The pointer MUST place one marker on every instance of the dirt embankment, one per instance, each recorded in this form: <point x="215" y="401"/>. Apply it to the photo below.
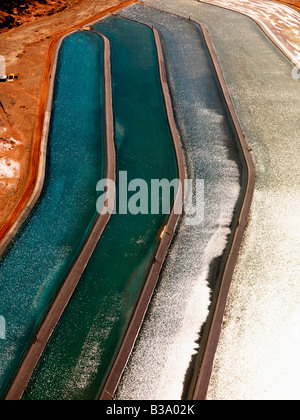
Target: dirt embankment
<point x="14" y="13"/>
<point x="293" y="3"/>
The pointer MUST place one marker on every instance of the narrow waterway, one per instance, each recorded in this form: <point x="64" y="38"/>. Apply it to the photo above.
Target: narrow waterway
<point x="84" y="345"/>
<point x="170" y="334"/>
<point x="47" y="245"/>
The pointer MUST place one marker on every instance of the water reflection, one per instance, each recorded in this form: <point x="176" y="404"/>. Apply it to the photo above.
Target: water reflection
<point x="180" y="307"/>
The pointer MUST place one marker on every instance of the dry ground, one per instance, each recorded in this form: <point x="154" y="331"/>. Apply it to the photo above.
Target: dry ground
<point x="14" y="13"/>
<point x="293" y="3"/>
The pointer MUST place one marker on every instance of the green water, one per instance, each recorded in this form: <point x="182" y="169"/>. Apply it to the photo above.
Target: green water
<point x="82" y="349"/>
<point x="47" y="245"/>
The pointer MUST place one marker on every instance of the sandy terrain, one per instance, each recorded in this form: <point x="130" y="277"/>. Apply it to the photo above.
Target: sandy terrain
<point x="281" y="23"/>
<point x="293" y="3"/>
<point x="22" y="102"/>
<point x="14" y="13"/>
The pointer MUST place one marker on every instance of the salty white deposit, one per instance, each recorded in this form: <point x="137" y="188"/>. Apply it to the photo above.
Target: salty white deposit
<point x="9" y="168"/>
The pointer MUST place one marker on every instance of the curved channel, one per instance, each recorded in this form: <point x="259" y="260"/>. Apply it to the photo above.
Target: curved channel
<point x="86" y="341"/>
<point x="48" y="244"/>
<point x="183" y="300"/>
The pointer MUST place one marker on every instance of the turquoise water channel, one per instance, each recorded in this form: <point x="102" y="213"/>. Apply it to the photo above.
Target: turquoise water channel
<point x="84" y="345"/>
<point x="47" y="245"/>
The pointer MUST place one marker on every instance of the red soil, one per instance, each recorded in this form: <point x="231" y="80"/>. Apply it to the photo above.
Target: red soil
<point x="293" y="3"/>
<point x="14" y="13"/>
